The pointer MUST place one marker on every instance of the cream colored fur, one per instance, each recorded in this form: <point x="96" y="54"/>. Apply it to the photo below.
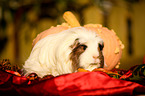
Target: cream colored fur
<point x="51" y="55"/>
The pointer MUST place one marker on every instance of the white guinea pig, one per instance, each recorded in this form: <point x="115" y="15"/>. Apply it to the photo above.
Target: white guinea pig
<point x="65" y="52"/>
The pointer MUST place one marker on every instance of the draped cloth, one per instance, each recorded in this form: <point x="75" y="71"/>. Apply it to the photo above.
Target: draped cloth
<point x="74" y="84"/>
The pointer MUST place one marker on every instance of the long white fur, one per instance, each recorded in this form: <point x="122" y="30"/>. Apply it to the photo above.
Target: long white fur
<point x="51" y="55"/>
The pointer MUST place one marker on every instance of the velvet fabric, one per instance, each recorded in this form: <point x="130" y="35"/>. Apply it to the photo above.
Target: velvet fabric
<point x="74" y="84"/>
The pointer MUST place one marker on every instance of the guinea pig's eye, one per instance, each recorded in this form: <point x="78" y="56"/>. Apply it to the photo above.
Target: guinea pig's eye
<point x="84" y="47"/>
<point x="101" y="46"/>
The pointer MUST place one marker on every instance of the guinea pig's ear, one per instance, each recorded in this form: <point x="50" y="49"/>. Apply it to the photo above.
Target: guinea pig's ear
<point x="101" y="46"/>
<point x="76" y="43"/>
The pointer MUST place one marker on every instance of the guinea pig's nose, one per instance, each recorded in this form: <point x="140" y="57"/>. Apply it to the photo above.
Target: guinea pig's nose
<point x="95" y="57"/>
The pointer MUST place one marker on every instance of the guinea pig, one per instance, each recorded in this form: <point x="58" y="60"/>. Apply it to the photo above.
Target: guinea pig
<point x="65" y="52"/>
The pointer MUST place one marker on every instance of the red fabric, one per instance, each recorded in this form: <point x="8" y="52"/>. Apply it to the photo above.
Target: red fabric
<point x="80" y="83"/>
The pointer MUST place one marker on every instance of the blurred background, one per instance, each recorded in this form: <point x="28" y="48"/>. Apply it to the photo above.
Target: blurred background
<point x="22" y="20"/>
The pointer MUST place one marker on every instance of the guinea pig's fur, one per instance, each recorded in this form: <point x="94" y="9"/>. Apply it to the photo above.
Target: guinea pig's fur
<point x="65" y="52"/>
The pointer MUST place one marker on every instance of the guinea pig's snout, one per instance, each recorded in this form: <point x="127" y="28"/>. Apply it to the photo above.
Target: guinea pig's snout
<point x="95" y="57"/>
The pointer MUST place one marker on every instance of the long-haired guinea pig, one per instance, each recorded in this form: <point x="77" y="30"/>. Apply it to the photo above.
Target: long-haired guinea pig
<point x="65" y="52"/>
